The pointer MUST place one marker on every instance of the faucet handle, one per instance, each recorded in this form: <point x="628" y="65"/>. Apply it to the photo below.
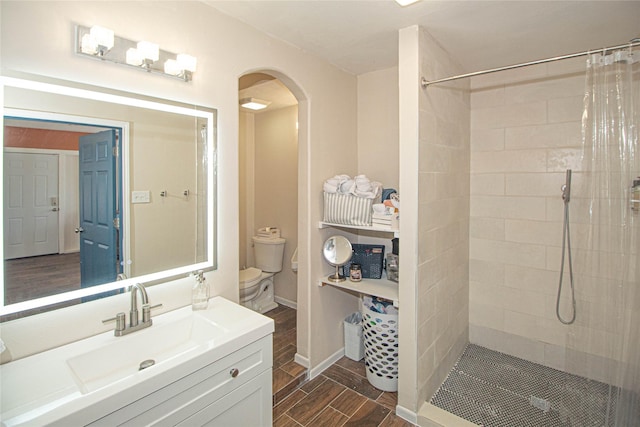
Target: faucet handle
<point x="121" y="322"/>
<point x="146" y="312"/>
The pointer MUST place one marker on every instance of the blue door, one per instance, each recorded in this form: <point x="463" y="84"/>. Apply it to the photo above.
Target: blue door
<point x="98" y="208"/>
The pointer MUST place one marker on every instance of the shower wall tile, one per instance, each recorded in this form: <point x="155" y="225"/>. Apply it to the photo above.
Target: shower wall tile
<point x="487" y="140"/>
<point x="485" y="272"/>
<point x="510" y="253"/>
<point x="564" y="110"/>
<point x="509" y="161"/>
<point x="536" y="232"/>
<point x="486" y="315"/>
<point x="488" y="184"/>
<point x="562" y="159"/>
<point x="532" y="113"/>
<point x="508" y="207"/>
<point x="554" y="135"/>
<point x="491" y="97"/>
<point x="444" y="189"/>
<point x="544" y="90"/>
<point x="525" y="132"/>
<point x="499" y="277"/>
<point x="534" y="279"/>
<point x="522" y="324"/>
<point x="487" y="228"/>
<point x="531" y="184"/>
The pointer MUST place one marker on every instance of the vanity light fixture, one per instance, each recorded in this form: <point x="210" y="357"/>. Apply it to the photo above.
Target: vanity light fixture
<point x="254" y="103"/>
<point x="101" y="43"/>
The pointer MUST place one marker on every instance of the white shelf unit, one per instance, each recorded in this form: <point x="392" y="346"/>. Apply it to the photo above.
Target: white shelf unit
<point x="383" y="287"/>
<point x="395" y="231"/>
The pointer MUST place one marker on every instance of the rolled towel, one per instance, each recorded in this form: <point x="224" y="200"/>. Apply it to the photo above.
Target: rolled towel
<point x="376" y="188"/>
<point x="329" y="187"/>
<point x="347" y="186"/>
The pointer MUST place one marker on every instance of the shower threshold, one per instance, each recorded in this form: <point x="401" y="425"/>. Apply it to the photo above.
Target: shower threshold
<point x="494" y="389"/>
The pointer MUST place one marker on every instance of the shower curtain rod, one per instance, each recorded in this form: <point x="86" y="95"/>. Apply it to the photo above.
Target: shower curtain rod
<point x="424" y="83"/>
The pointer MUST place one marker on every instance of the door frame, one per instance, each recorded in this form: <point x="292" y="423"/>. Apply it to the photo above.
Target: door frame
<point x="123" y="163"/>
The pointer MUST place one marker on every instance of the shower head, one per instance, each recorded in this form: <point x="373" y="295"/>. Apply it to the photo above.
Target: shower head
<point x="566" y="188"/>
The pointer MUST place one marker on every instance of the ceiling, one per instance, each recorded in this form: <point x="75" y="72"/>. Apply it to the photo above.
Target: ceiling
<point x="362" y="36"/>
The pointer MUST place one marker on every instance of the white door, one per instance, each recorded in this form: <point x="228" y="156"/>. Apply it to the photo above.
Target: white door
<point x="30" y="204"/>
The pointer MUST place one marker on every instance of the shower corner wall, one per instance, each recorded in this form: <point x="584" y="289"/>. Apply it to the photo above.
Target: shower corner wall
<point x="443" y="212"/>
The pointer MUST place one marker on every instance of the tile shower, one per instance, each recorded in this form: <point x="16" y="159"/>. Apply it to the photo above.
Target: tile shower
<point x="525" y="132"/>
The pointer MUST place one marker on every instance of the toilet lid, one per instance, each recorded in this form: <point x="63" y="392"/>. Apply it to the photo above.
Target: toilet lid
<point x="249" y="276"/>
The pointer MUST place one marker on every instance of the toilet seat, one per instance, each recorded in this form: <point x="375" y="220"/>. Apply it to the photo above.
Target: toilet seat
<point x="250" y="277"/>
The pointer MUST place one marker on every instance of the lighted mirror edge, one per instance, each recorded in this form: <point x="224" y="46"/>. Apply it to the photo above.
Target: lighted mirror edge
<point x="211" y="157"/>
<point x="93" y="290"/>
<point x="101" y="96"/>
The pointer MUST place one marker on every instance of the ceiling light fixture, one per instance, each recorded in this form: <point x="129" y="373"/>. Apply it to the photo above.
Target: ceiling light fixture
<point x="101" y="43"/>
<point x="254" y="103"/>
<point x="406" y="2"/>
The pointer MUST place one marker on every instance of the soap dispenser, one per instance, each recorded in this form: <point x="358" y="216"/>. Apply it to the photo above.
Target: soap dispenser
<point x="200" y="292"/>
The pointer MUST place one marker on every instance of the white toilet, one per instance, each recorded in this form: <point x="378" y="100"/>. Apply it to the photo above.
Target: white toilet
<point x="256" y="283"/>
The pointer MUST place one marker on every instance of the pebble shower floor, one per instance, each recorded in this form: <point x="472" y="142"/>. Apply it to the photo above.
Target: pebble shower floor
<point x="497" y="390"/>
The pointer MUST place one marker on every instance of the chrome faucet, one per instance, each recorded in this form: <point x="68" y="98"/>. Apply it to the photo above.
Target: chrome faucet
<point x="133" y="313"/>
<point x="134" y="320"/>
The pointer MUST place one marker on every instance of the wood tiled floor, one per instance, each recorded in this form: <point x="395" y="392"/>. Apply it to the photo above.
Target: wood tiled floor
<point x="340" y="396"/>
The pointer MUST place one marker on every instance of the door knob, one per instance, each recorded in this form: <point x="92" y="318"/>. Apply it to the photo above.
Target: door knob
<point x="79" y="230"/>
<point x="54" y="209"/>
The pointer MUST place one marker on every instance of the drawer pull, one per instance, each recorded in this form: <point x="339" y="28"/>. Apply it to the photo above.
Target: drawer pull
<point x="234" y="372"/>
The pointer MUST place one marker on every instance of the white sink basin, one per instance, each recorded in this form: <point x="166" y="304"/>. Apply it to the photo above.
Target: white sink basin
<point x="159" y="343"/>
<point x="101" y="370"/>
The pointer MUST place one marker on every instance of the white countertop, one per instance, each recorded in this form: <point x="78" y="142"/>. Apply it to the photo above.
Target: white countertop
<point x="43" y="388"/>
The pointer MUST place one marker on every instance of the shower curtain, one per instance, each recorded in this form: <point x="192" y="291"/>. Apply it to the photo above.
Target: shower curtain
<point x="604" y="342"/>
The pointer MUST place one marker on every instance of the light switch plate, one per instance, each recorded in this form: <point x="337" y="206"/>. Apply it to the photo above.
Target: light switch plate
<point x="140" y="196"/>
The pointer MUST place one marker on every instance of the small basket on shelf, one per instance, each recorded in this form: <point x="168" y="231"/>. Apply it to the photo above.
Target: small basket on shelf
<point x="370" y="257"/>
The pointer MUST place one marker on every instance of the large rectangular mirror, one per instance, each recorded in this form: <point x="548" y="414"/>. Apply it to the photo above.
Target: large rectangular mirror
<point x="101" y="189"/>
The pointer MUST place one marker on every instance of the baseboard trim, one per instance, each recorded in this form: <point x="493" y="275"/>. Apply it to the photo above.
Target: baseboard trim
<point x="406" y="414"/>
<point x="326" y="363"/>
<point x="286" y="302"/>
<point x="301" y="360"/>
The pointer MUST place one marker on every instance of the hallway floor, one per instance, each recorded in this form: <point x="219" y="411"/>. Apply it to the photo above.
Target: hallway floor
<point x="340" y="396"/>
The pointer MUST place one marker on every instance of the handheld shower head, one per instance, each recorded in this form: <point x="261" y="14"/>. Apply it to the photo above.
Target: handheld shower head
<point x="566" y="188"/>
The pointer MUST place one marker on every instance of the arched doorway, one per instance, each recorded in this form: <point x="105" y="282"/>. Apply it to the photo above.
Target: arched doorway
<point x="270" y="165"/>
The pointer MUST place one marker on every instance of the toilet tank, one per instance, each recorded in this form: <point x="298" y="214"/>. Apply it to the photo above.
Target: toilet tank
<point x="268" y="252"/>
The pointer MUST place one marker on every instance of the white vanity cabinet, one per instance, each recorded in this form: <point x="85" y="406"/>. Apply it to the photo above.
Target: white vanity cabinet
<point x="233" y="391"/>
<point x="212" y="367"/>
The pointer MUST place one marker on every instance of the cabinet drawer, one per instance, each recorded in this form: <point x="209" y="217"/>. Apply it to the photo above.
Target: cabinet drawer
<point x="190" y="394"/>
<point x="247" y="405"/>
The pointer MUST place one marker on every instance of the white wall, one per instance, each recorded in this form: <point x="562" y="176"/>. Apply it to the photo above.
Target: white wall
<point x="378" y="148"/>
<point x="269" y="187"/>
<point x="226" y="49"/>
<point x="276" y="186"/>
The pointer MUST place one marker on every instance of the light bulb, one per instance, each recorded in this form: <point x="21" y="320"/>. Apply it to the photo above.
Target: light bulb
<point x="149" y="50"/>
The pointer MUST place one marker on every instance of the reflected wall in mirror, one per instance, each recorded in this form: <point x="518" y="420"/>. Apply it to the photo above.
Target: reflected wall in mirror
<point x="101" y="190"/>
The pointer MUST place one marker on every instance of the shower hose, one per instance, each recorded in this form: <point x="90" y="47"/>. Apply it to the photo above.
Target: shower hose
<point x="566" y="243"/>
